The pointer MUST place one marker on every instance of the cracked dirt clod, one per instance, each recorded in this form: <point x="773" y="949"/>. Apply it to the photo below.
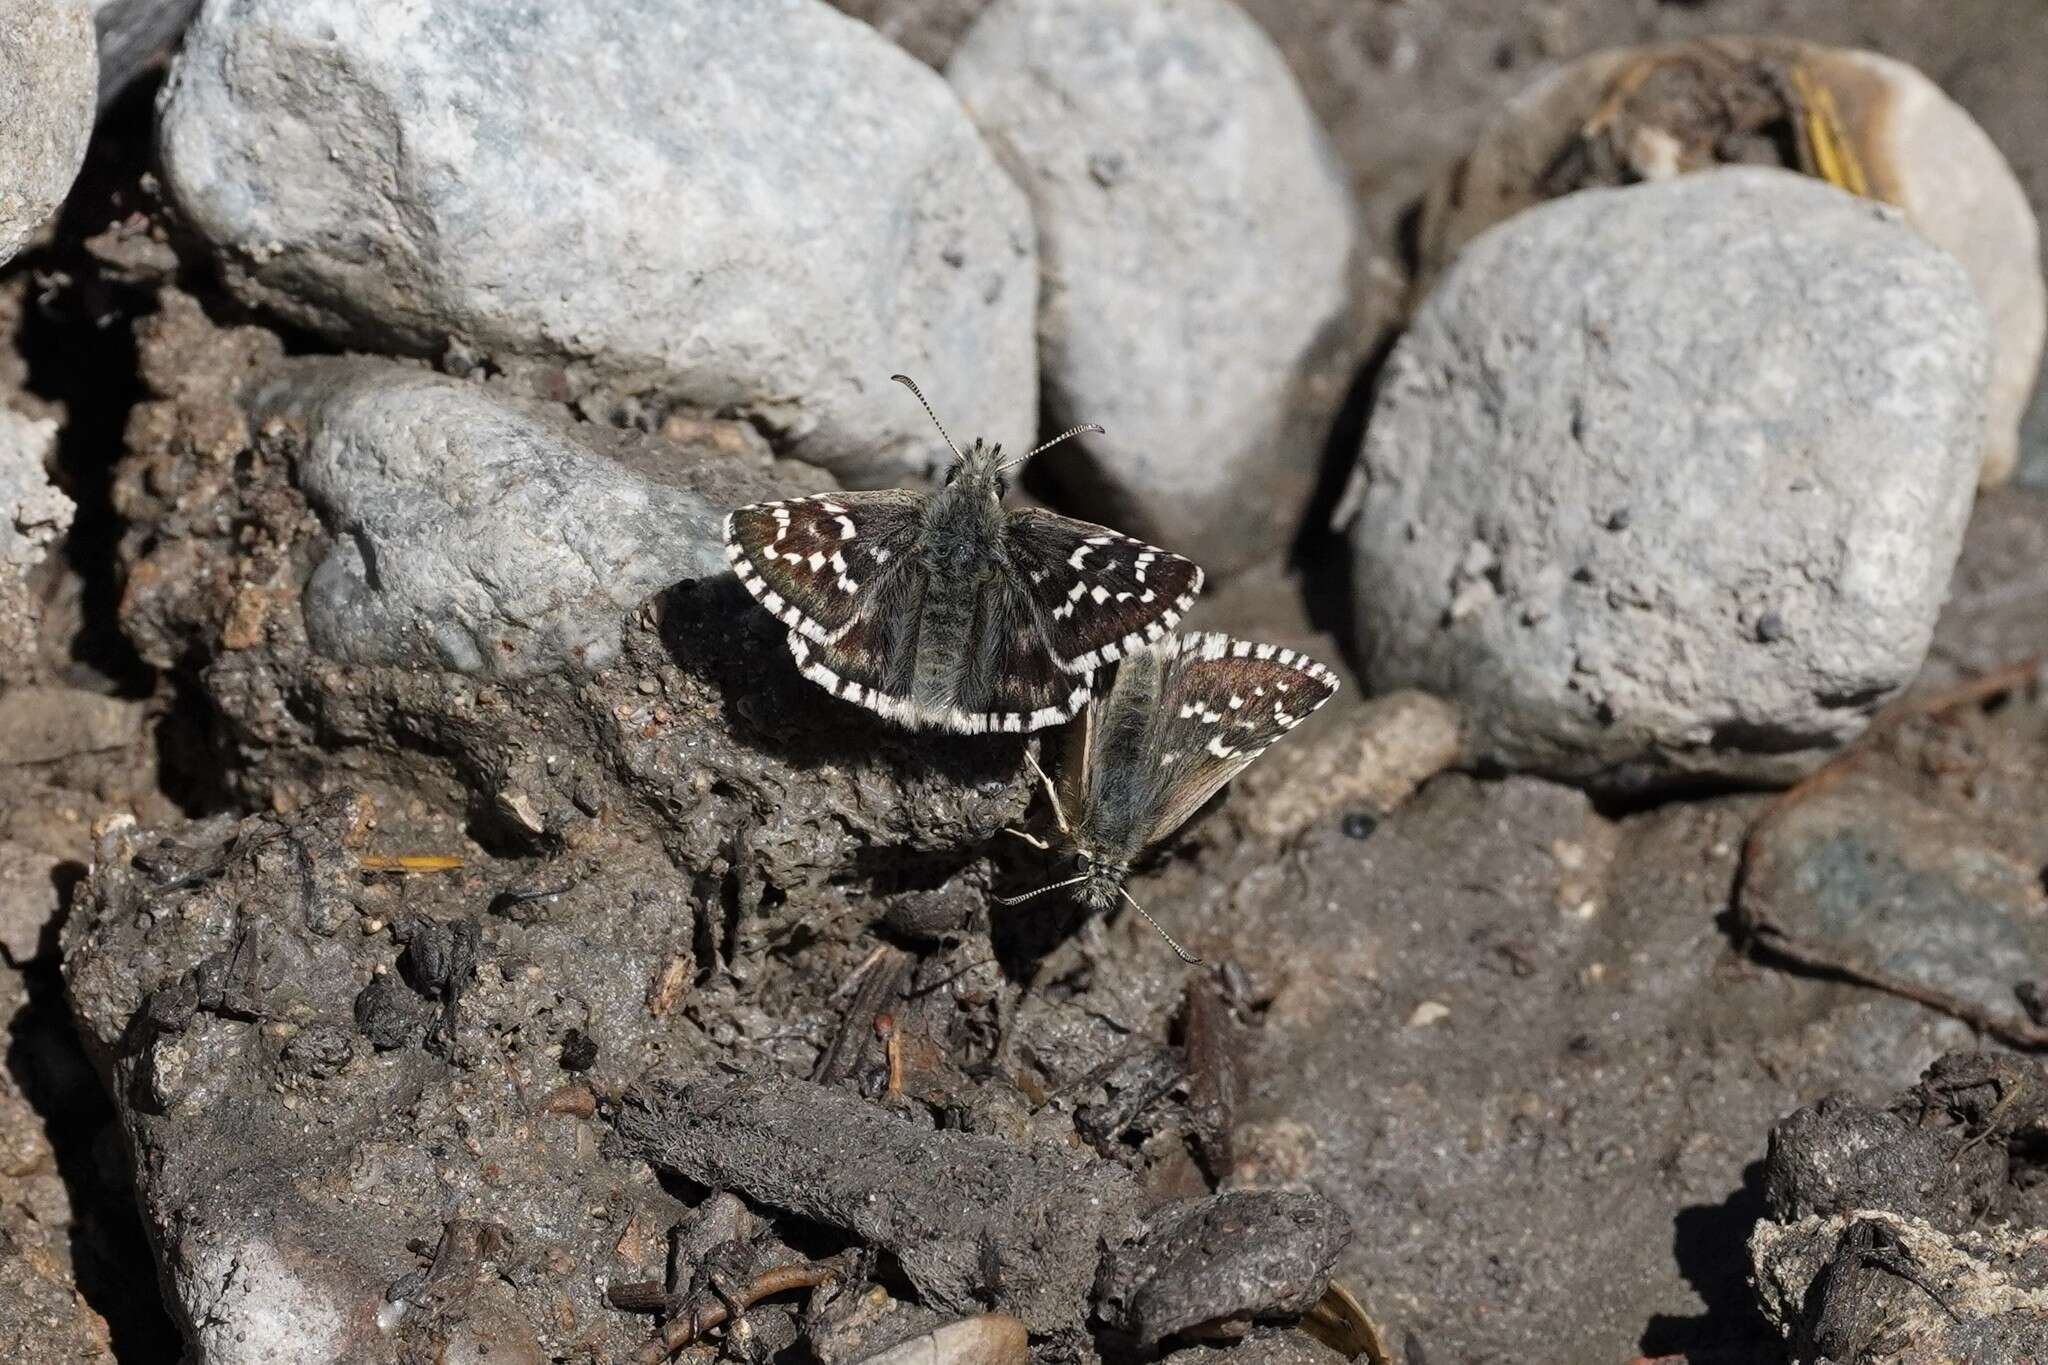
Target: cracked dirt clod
<point x="1224" y="1261"/>
<point x="1888" y="1289"/>
<point x="975" y="1221"/>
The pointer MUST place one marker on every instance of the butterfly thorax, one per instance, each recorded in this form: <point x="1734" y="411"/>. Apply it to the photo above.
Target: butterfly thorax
<point x="960" y="547"/>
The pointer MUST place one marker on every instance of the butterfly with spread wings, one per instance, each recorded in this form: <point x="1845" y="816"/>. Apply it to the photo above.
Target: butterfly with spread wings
<point x="947" y="611"/>
<point x="1185" y="716"/>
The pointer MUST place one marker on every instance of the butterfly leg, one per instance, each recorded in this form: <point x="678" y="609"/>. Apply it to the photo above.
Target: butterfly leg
<point x="1059" y="813"/>
<point x="1031" y="839"/>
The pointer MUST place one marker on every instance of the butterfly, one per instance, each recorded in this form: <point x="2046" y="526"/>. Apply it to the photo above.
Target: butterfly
<point x="1184" y="716"/>
<point x="945" y="610"/>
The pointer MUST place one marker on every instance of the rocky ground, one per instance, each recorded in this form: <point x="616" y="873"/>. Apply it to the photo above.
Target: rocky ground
<point x="438" y="923"/>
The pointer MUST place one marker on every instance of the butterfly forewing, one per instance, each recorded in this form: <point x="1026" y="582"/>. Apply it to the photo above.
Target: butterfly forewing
<point x="1099" y="595"/>
<point x="1222" y="702"/>
<point x="816" y="562"/>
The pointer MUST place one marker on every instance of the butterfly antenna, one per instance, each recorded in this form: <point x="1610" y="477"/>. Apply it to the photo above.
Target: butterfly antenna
<point x="1171" y="942"/>
<point x="1048" y="445"/>
<point x="907" y="382"/>
<point x="1028" y="895"/>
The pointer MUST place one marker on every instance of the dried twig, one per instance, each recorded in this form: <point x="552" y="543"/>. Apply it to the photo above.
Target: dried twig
<point x="692" y="1321"/>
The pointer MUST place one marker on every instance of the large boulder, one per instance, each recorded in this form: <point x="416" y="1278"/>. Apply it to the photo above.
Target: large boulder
<point x="1670" y="480"/>
<point x="1198" y="239"/>
<point x="760" y="209"/>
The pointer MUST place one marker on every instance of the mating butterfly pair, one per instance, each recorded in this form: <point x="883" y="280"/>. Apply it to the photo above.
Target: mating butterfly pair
<point x="947" y="611"/>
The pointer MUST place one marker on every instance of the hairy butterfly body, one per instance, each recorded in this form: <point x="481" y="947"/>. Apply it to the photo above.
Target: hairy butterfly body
<point x="1185" y="716"/>
<point x="946" y="610"/>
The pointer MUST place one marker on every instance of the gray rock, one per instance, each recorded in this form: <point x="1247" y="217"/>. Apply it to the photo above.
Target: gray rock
<point x="33" y="517"/>
<point x="1933" y="889"/>
<point x="33" y="514"/>
<point x="134" y="33"/>
<point x="700" y="732"/>
<point x="47" y="72"/>
<point x="1671" y="479"/>
<point x="762" y="209"/>
<point x="470" y="536"/>
<point x="1197" y="238"/>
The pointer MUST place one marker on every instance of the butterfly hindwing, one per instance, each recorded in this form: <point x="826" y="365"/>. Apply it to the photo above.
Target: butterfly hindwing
<point x="814" y="561"/>
<point x="1099" y="595"/>
<point x="1222" y="702"/>
<point x="1014" y="682"/>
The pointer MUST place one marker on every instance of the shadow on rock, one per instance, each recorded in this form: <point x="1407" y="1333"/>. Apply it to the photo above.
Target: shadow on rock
<point x="108" y="1246"/>
<point x="779" y="712"/>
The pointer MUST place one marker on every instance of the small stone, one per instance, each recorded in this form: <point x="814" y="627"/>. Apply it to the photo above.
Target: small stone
<point x="1360" y="825"/>
<point x="1925" y="889"/>
<point x="1167" y="264"/>
<point x="1770" y="627"/>
<point x="1429" y="1012"/>
<point x="1599" y="342"/>
<point x="1365" y="761"/>
<point x="989" y="1339"/>
<point x="579" y="1051"/>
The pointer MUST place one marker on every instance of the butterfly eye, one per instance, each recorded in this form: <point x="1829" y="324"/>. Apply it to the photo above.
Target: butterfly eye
<point x="952" y="473"/>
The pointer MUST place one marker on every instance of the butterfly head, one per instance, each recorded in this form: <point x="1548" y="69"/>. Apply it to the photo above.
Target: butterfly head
<point x="981" y="467"/>
<point x="1101" y="879"/>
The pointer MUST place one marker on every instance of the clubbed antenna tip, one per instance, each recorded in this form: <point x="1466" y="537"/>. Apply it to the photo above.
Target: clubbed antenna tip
<point x="907" y="382"/>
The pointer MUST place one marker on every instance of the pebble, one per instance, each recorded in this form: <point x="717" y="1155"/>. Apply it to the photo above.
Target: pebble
<point x="1783" y="383"/>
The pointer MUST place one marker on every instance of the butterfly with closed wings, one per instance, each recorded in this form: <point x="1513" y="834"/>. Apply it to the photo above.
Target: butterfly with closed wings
<point x="945" y="610"/>
<point x="1185" y="716"/>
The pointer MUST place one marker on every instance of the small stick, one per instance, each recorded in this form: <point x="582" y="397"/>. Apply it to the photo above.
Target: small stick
<point x="892" y="1046"/>
<point x="702" y="1317"/>
<point x="409" y="862"/>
